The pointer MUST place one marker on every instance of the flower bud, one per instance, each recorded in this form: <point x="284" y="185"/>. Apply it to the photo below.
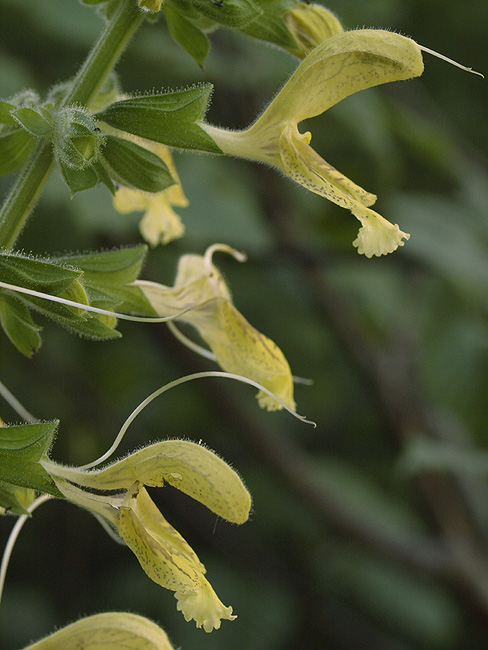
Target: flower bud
<point x="311" y="24"/>
<point x="77" y="139"/>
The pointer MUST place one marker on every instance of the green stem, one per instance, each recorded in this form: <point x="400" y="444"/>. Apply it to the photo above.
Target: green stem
<point x="26" y="190"/>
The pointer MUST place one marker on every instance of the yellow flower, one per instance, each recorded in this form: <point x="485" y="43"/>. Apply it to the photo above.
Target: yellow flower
<point x="169" y="561"/>
<point x="150" y="5"/>
<point x="238" y="347"/>
<point x="311" y="24"/>
<point x="340" y="66"/>
<point x="109" y="631"/>
<point x="160" y="223"/>
<point x="129" y="510"/>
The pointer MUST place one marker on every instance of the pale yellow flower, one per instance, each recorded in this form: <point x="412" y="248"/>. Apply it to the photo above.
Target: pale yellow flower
<point x="150" y="5"/>
<point x="238" y="347"/>
<point x="129" y="510"/>
<point x="169" y="561"/>
<point x="108" y="631"/>
<point x="160" y="223"/>
<point x="311" y="24"/>
<point x="340" y="66"/>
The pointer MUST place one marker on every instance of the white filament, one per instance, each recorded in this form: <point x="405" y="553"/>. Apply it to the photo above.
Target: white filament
<point x="96" y="310"/>
<point x="177" y="382"/>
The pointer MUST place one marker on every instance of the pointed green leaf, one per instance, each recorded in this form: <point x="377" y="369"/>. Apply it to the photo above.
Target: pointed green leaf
<point x="21" y="449"/>
<point x="18" y="472"/>
<point x="34" y="438"/>
<point x="36" y="274"/>
<point x="231" y="13"/>
<point x="64" y="314"/>
<point x="95" y="328"/>
<point x="271" y="26"/>
<point x="35" y="120"/>
<point x="184" y="8"/>
<point x="112" y="273"/>
<point x="15" y="146"/>
<point x="78" y="179"/>
<point x="5" y="116"/>
<point x="14" y="499"/>
<point x="186" y="34"/>
<point x="109" y="268"/>
<point x="18" y="325"/>
<point x="170" y="119"/>
<point x="135" y="166"/>
<point x="104" y="177"/>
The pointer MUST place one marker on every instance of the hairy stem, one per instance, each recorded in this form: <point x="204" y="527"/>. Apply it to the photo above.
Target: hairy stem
<point x="23" y="196"/>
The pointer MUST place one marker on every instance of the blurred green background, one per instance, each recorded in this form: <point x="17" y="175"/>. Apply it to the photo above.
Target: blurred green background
<point x="370" y="531"/>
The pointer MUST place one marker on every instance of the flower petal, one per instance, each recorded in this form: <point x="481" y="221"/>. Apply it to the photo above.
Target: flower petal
<point x="342" y="65"/>
<point x="238" y="347"/>
<point x="127" y="200"/>
<point x="204" y="606"/>
<point x="193" y="469"/>
<point x="306" y="167"/>
<point x="161" y="224"/>
<point x="242" y="350"/>
<point x="377" y="236"/>
<point x="311" y="24"/>
<point x="110" y="631"/>
<point x="162" y="552"/>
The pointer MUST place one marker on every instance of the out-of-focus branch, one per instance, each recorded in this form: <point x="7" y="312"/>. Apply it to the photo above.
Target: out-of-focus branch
<point x="391" y="375"/>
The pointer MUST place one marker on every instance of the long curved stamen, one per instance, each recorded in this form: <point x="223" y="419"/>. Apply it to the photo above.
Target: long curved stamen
<point x="207" y="354"/>
<point x="451" y="61"/>
<point x="96" y="310"/>
<point x="224" y="248"/>
<point x="16" y="405"/>
<point x="173" y="384"/>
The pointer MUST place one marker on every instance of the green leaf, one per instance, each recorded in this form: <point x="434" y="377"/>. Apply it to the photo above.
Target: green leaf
<point x="64" y="314"/>
<point x="186" y="34"/>
<point x="35" y="439"/>
<point x="77" y="179"/>
<point x="183" y="7"/>
<point x="21" y="449"/>
<point x="231" y="13"/>
<point x="15" y="147"/>
<point x="18" y="325"/>
<point x="168" y="119"/>
<point x="135" y="166"/>
<point x="110" y="274"/>
<point x="109" y="268"/>
<point x="5" y="116"/>
<point x="96" y="328"/>
<point x="36" y="274"/>
<point x="104" y="176"/>
<point x="35" y="120"/>
<point x="271" y="25"/>
<point x="14" y="499"/>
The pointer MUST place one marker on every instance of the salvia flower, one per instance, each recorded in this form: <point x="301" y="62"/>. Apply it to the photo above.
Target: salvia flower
<point x="117" y="495"/>
<point x="108" y="631"/>
<point x="238" y="347"/>
<point x="160" y="224"/>
<point x="311" y="24"/>
<point x="340" y="66"/>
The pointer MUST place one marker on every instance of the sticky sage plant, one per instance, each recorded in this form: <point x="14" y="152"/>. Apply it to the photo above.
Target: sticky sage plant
<point x="92" y="133"/>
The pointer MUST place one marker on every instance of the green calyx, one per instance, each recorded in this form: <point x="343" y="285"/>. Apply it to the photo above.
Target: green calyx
<point x="77" y="139"/>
